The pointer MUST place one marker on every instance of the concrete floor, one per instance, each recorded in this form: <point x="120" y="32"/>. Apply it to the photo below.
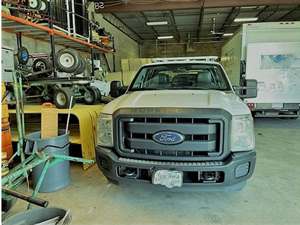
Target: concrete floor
<point x="272" y="196"/>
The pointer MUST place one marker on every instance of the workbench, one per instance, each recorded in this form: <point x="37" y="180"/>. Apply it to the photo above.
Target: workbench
<point x="82" y="127"/>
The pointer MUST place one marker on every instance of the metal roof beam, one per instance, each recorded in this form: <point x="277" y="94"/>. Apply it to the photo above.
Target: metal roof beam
<point x="289" y="12"/>
<point x="151" y="27"/>
<point x="117" y="22"/>
<point x="131" y="6"/>
<point x="172" y="17"/>
<point x="230" y="17"/>
<point x="200" y="20"/>
<point x="274" y="11"/>
<point x="262" y="11"/>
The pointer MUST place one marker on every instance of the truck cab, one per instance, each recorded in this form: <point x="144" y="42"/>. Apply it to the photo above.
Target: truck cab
<point x="180" y="124"/>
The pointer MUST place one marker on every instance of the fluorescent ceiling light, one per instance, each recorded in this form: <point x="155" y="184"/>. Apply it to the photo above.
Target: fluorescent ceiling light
<point x="245" y="19"/>
<point x="227" y="34"/>
<point x="165" y="37"/>
<point x="248" y="7"/>
<point x="157" y="23"/>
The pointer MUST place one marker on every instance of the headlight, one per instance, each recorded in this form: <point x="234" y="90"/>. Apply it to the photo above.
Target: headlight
<point x="105" y="130"/>
<point x="242" y="133"/>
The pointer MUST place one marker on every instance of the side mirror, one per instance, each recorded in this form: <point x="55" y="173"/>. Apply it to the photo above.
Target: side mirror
<point x="122" y="90"/>
<point x="116" y="89"/>
<point x="249" y="90"/>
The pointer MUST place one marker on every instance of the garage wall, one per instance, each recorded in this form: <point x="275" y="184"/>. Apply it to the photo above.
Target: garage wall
<point x="124" y="45"/>
<point x="149" y="50"/>
<point x="33" y="46"/>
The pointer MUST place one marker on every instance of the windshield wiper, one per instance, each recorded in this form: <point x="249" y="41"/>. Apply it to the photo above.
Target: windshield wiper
<point x="195" y="88"/>
<point x="186" y="88"/>
<point x="144" y="89"/>
<point x="221" y="89"/>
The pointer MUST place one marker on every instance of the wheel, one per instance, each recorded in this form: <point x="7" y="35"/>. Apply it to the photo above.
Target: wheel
<point x="90" y="96"/>
<point x="115" y="88"/>
<point x="44" y="6"/>
<point x="67" y="60"/>
<point x="35" y="4"/>
<point x="41" y="64"/>
<point x="99" y="96"/>
<point x="23" y="55"/>
<point x="82" y="66"/>
<point x="62" y="98"/>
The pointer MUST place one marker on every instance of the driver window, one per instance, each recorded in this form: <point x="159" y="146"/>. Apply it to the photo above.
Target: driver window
<point x="140" y="78"/>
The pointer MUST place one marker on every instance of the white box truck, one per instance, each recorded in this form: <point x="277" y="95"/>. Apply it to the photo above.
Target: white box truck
<point x="270" y="54"/>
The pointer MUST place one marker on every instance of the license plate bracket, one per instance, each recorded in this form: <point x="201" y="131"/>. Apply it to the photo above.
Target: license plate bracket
<point x="167" y="178"/>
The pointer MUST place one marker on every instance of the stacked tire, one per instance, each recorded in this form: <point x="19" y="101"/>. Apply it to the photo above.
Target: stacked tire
<point x="40" y="5"/>
<point x="92" y="95"/>
<point x="42" y="66"/>
<point x="69" y="61"/>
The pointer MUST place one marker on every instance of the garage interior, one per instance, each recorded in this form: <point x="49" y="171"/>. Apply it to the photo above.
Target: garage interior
<point x="66" y="67"/>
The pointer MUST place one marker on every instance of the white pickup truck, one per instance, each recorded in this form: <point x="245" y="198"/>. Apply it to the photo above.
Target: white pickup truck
<point x="179" y="124"/>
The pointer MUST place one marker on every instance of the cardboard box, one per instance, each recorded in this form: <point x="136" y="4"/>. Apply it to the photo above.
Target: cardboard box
<point x="146" y="61"/>
<point x="134" y="64"/>
<point x="128" y="77"/>
<point x="125" y="65"/>
<point x="114" y="76"/>
<point x="49" y="121"/>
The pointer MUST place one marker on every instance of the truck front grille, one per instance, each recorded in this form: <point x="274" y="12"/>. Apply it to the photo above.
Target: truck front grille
<point x="203" y="137"/>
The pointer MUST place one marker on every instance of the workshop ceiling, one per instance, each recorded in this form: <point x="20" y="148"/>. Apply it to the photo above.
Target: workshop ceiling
<point x="203" y="23"/>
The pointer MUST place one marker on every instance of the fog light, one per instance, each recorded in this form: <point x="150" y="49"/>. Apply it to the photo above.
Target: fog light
<point x="210" y="176"/>
<point x="104" y="163"/>
<point x="127" y="172"/>
<point x="242" y="170"/>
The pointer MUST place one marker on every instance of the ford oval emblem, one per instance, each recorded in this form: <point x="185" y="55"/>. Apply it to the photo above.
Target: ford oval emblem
<point x="168" y="137"/>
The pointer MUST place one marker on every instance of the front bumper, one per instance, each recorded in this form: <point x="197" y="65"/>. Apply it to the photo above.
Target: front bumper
<point x="235" y="170"/>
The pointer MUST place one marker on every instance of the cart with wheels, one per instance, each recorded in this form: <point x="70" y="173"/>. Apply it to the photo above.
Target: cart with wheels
<point x="61" y="90"/>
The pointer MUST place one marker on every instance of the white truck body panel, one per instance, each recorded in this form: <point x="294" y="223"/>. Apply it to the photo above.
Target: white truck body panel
<point x="276" y="67"/>
<point x="255" y="43"/>
<point x="179" y="99"/>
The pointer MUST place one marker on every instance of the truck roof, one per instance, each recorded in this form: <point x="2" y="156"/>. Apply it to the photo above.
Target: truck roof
<point x="181" y="62"/>
<point x="184" y="60"/>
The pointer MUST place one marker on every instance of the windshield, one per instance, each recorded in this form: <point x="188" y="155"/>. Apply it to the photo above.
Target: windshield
<point x="180" y="76"/>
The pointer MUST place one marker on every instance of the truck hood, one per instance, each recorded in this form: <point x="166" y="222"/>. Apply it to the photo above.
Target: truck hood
<point x="180" y="99"/>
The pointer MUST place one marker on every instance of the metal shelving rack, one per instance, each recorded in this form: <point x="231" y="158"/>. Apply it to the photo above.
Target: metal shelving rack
<point x="46" y="28"/>
<point x="43" y="32"/>
<point x="49" y="32"/>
